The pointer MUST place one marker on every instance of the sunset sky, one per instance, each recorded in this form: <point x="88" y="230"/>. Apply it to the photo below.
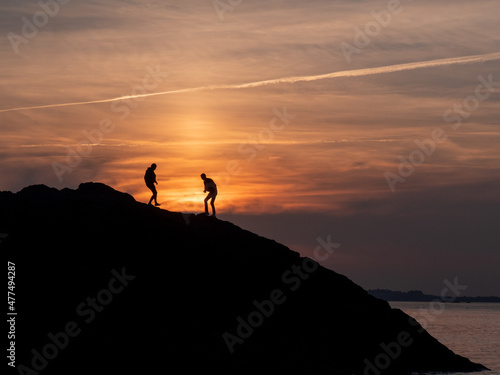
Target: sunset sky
<point x="401" y="166"/>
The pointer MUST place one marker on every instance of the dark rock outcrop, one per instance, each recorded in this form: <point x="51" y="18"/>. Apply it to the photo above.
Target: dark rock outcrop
<point x="136" y="289"/>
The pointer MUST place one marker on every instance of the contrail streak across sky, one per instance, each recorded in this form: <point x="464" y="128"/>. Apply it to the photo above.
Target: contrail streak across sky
<point x="344" y="73"/>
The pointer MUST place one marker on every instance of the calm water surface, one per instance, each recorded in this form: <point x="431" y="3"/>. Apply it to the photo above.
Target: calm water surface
<point x="471" y="330"/>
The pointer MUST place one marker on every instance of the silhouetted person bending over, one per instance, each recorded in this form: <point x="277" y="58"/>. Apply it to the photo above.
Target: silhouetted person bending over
<point x="150" y="179"/>
<point x="212" y="192"/>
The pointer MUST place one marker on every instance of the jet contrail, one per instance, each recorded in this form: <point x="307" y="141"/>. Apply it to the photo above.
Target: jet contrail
<point x="344" y="73"/>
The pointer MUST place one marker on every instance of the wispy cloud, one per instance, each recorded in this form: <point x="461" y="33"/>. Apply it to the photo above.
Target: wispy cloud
<point x="342" y="74"/>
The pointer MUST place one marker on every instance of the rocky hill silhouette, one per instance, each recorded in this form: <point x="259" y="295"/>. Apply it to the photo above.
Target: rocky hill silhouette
<point x="108" y="285"/>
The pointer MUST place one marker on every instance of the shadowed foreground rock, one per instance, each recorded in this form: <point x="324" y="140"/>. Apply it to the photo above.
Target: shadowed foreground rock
<point x="107" y="285"/>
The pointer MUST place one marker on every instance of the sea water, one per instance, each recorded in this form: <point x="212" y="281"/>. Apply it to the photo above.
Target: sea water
<point x="471" y="330"/>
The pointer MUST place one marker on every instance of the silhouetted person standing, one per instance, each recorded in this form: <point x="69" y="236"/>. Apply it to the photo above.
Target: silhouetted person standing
<point x="211" y="187"/>
<point x="150" y="179"/>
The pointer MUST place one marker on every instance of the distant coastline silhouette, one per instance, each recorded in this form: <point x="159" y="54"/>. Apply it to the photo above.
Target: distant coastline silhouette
<point x="150" y="179"/>
<point x="211" y="187"/>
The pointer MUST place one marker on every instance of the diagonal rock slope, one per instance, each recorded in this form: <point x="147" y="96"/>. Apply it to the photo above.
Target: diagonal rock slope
<point x="105" y="284"/>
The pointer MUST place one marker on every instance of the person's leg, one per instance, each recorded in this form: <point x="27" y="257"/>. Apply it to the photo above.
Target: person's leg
<point x="206" y="206"/>
<point x="212" y="203"/>
<point x="155" y="194"/>
<point x="152" y="197"/>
